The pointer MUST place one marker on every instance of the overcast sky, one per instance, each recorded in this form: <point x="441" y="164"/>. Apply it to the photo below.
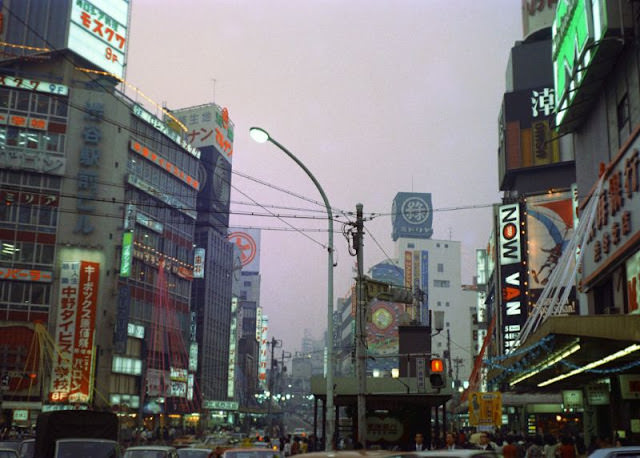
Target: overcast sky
<point x="374" y="97"/>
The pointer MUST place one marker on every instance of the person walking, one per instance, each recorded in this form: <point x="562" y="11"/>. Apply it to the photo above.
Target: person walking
<point x="418" y="443"/>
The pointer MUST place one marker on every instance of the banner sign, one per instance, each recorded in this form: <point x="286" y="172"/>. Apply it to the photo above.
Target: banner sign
<point x="509" y="223"/>
<point x="71" y="378"/>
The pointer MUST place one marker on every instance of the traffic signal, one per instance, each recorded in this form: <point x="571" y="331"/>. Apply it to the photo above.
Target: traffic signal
<point x="436" y="375"/>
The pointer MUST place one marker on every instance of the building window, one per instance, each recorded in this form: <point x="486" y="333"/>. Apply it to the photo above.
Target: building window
<point x="447" y="304"/>
<point x="446" y="245"/>
<point x="437" y="245"/>
<point x="247" y="283"/>
<point x="439" y="303"/>
<point x="447" y="324"/>
<point x="440" y="267"/>
<point x="441" y="283"/>
<point x="411" y="245"/>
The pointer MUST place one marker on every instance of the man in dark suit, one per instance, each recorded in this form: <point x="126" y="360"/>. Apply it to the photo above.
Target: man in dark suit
<point x="418" y="444"/>
<point x="450" y="442"/>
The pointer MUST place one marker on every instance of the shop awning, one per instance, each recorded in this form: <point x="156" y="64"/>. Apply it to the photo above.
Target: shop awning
<point x="567" y="352"/>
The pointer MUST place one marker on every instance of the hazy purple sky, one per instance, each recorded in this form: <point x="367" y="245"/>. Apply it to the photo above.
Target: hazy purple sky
<point x="374" y="97"/>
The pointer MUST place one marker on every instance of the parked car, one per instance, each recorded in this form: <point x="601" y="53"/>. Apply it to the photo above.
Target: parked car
<point x="27" y="448"/>
<point x="196" y="453"/>
<point x="459" y="453"/>
<point x="617" y="452"/>
<point x="151" y="451"/>
<point x="13" y="444"/>
<point x="6" y="452"/>
<point x="95" y="448"/>
<point x="251" y="452"/>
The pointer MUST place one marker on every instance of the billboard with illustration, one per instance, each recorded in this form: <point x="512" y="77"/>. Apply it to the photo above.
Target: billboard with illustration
<point x="549" y="230"/>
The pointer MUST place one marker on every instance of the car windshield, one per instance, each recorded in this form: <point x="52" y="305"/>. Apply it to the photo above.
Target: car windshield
<point x="251" y="453"/>
<point x="146" y="454"/>
<point x="191" y="453"/>
<point x="27" y="449"/>
<point x="86" y="449"/>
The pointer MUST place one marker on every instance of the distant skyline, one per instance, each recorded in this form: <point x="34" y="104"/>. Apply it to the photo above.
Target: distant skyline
<point x="374" y="97"/>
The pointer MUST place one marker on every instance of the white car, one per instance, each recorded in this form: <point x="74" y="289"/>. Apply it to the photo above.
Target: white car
<point x="617" y="452"/>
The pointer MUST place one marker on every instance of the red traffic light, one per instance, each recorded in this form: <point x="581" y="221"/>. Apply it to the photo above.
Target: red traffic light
<point x="437" y="365"/>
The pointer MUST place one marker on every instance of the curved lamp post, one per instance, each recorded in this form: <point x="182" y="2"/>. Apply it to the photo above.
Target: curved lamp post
<point x="260" y="135"/>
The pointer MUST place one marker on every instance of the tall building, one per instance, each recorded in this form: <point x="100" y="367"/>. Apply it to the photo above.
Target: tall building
<point x="97" y="223"/>
<point x="586" y="353"/>
<point x="211" y="131"/>
<point x="246" y="287"/>
<point x="536" y="173"/>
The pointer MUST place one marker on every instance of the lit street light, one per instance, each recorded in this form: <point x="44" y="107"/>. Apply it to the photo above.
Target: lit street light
<point x="260" y="135"/>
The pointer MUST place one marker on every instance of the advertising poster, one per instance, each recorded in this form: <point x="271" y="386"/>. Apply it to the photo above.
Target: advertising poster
<point x="71" y="378"/>
<point x="382" y="333"/>
<point x="549" y="231"/>
<point x="248" y="243"/>
<point x="633" y="283"/>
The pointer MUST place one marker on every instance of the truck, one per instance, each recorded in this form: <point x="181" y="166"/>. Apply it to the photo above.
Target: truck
<point x="76" y="433"/>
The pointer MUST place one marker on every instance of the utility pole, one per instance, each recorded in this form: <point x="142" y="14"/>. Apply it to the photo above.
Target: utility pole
<point x="274" y="363"/>
<point x="449" y="354"/>
<point x="361" y="329"/>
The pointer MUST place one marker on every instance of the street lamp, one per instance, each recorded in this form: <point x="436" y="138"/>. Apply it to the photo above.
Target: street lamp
<point x="260" y="135"/>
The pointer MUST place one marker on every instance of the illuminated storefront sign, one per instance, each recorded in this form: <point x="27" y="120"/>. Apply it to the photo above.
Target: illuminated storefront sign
<point x="178" y="374"/>
<point x="258" y="323"/>
<point x="10" y="197"/>
<point x="198" y="262"/>
<point x="41" y="276"/>
<point x="153" y="258"/>
<point x="209" y="125"/>
<point x="581" y="54"/>
<point x="162" y="127"/>
<point x="135" y="330"/>
<point x="193" y="356"/>
<point x="573" y="32"/>
<point x="220" y="405"/>
<point x="148" y="222"/>
<point x="164" y="164"/>
<point x="127" y="249"/>
<point x="33" y="85"/>
<point x="263" y="359"/>
<point x="233" y="336"/>
<point x="509" y="221"/>
<point x="98" y="32"/>
<point x="23" y="121"/>
<point x="155" y="192"/>
<point x="514" y="313"/>
<point x="32" y="161"/>
<point x="191" y="383"/>
<point x="617" y="218"/>
<point x="71" y="377"/>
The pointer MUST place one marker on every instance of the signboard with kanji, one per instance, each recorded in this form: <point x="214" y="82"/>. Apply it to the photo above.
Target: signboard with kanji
<point x="71" y="378"/>
<point x="485" y="410"/>
<point x="98" y="32"/>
